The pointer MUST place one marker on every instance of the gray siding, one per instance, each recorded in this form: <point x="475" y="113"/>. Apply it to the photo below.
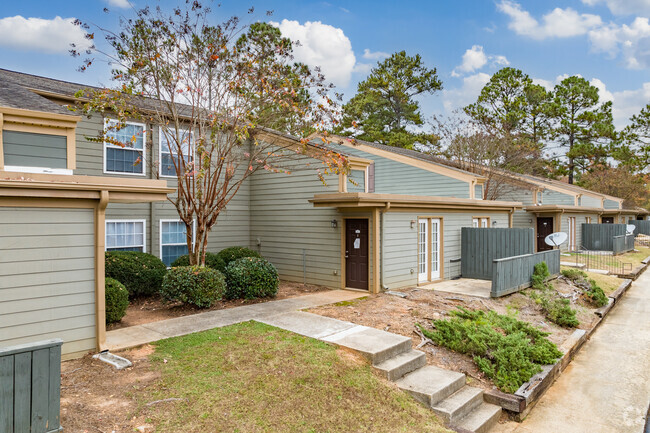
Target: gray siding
<point x="555" y="197"/>
<point x="27" y="149"/>
<point x="589" y="201"/>
<point x="523" y="220"/>
<point x="612" y="204"/>
<point x="580" y="219"/>
<point x="514" y="193"/>
<point x="284" y="223"/>
<point x="400" y="243"/>
<point x="392" y="177"/>
<point x="359" y="178"/>
<point x="47" y="282"/>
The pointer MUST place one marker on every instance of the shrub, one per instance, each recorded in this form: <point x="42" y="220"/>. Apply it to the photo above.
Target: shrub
<point x="228" y="255"/>
<point x="596" y="295"/>
<point x="559" y="311"/>
<point x="507" y="350"/>
<point x="117" y="299"/>
<point x="540" y="274"/>
<point x="250" y="278"/>
<point x="211" y="261"/>
<point x="574" y="274"/>
<point x="141" y="273"/>
<point x="196" y="285"/>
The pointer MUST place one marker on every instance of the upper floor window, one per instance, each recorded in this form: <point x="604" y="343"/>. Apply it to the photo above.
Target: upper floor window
<point x="130" y="158"/>
<point x="359" y="179"/>
<point x="478" y="191"/>
<point x="171" y="145"/>
<point x="539" y="197"/>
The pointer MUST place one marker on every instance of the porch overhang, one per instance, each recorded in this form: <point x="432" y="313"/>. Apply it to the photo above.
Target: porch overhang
<point x="356" y="200"/>
<point x="555" y="208"/>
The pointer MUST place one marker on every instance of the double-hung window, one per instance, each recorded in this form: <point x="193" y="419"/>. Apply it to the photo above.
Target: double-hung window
<point x="481" y="222"/>
<point x="130" y="158"/>
<point x="173" y="240"/>
<point x="173" y="144"/>
<point x="122" y="235"/>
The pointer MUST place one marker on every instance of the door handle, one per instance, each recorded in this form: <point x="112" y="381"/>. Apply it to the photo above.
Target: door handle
<point x="346" y="254"/>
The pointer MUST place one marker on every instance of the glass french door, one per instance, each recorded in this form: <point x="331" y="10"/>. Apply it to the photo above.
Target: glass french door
<point x="429" y="245"/>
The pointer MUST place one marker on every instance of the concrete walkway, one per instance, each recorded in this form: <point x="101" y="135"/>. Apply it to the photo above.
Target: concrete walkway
<point x="141" y="334"/>
<point x="606" y="388"/>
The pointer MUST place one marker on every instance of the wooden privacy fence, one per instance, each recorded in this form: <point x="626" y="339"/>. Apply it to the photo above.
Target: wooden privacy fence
<point x="623" y="244"/>
<point x="600" y="237"/>
<point x="30" y="387"/>
<point x="512" y="274"/>
<point x="481" y="246"/>
<point x="642" y="227"/>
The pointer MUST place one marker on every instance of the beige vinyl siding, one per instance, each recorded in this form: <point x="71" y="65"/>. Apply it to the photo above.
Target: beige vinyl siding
<point x="400" y="243"/>
<point x="284" y="223"/>
<point x="47" y="282"/>
<point x="392" y="177"/>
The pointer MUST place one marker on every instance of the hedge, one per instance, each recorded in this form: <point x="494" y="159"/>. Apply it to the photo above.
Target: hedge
<point x="250" y="278"/>
<point x="195" y="285"/>
<point x="117" y="300"/>
<point x="141" y="273"/>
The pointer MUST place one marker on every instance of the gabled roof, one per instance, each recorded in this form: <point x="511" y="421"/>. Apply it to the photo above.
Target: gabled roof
<point x="13" y="95"/>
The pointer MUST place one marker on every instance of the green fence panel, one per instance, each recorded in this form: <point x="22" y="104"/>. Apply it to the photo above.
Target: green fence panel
<point x="512" y="274"/>
<point x="600" y="237"/>
<point x="481" y="246"/>
<point x="642" y="227"/>
<point x="623" y="244"/>
<point x="30" y="387"/>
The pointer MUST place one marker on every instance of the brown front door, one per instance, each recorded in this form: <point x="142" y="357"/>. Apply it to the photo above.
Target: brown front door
<point x="608" y="220"/>
<point x="356" y="253"/>
<point x="544" y="228"/>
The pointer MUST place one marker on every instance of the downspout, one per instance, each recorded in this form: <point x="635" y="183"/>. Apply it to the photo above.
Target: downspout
<point x="510" y="217"/>
<point x="100" y="246"/>
<point x="381" y="248"/>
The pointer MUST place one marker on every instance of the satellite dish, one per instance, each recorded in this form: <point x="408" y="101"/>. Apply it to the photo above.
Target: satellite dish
<point x="556" y="239"/>
<point x="630" y="229"/>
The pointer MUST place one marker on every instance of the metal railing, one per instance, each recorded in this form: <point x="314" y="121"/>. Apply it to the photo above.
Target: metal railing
<point x="600" y="261"/>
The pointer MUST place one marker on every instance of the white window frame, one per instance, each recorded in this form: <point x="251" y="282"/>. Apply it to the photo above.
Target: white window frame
<point x="22" y="169"/>
<point x="160" y="152"/>
<point x="144" y="232"/>
<point x="173" y="220"/>
<point x="365" y="178"/>
<point x="481" y="222"/>
<point x="108" y="120"/>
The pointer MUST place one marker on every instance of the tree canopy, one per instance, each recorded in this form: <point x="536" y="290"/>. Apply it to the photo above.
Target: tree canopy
<point x="385" y="109"/>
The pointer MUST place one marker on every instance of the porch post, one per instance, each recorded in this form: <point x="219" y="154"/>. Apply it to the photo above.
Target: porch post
<point x="375" y="288"/>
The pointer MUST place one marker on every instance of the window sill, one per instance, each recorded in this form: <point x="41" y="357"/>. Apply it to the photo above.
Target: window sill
<point x="37" y="170"/>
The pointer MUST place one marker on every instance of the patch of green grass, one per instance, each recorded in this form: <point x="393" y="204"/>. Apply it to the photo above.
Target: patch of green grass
<point x="608" y="283"/>
<point x="251" y="377"/>
<point x="635" y="257"/>
<point x="507" y="350"/>
<point x="350" y="302"/>
<point x="592" y="291"/>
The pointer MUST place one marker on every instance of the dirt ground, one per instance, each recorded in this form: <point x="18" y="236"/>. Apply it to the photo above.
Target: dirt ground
<point x="421" y="306"/>
<point x="153" y="309"/>
<point x="96" y="398"/>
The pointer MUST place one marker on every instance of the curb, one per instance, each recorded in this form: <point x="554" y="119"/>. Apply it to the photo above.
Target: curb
<point x="524" y="399"/>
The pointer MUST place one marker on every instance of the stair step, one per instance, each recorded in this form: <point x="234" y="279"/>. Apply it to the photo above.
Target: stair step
<point x="431" y="384"/>
<point x="376" y="345"/>
<point x="481" y="419"/>
<point x="404" y="363"/>
<point x="453" y="408"/>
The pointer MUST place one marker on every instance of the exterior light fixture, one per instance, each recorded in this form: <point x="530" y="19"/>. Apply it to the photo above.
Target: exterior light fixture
<point x="412" y="224"/>
<point x="494" y="223"/>
<point x="334" y="224"/>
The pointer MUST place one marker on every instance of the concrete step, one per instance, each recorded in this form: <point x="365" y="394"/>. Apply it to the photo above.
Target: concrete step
<point x="404" y="363"/>
<point x="453" y="408"/>
<point x="431" y="384"/>
<point x="377" y="346"/>
<point x="481" y="419"/>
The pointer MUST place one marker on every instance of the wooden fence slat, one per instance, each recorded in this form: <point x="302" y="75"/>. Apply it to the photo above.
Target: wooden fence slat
<point x="40" y="389"/>
<point x="22" y="391"/>
<point x="54" y="395"/>
<point x="7" y="394"/>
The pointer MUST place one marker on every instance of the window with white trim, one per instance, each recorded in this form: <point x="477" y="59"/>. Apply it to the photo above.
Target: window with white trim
<point x="169" y="151"/>
<point x="123" y="235"/>
<point x="481" y="222"/>
<point x="130" y="158"/>
<point x="173" y="240"/>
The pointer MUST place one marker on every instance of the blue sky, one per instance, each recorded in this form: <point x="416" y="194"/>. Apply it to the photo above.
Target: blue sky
<point x="605" y="41"/>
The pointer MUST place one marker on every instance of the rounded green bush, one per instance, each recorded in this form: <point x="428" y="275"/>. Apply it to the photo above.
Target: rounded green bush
<point x="212" y="260"/>
<point x="230" y="254"/>
<point x="117" y="300"/>
<point x="250" y="278"/>
<point x="196" y="285"/>
<point x="141" y="273"/>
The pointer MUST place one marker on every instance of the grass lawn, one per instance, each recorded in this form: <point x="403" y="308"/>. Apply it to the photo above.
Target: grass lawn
<point x="636" y="257"/>
<point x="608" y="283"/>
<point x="251" y="377"/>
<point x="610" y="262"/>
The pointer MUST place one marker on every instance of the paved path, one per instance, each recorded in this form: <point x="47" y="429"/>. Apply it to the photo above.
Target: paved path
<point x="606" y="388"/>
<point x="147" y="333"/>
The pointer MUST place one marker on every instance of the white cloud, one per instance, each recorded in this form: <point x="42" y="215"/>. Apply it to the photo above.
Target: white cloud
<point x="559" y="23"/>
<point x="604" y="95"/>
<point x="466" y="94"/>
<point x="633" y="41"/>
<point x="624" y="7"/>
<point x="475" y="59"/>
<point x="625" y="103"/>
<point x="374" y="55"/>
<point x="321" y="45"/>
<point x="37" y="34"/>
<point x="123" y="4"/>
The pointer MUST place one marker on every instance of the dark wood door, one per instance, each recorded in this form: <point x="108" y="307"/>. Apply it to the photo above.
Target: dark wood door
<point x="356" y="253"/>
<point x="608" y="220"/>
<point x="544" y="228"/>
